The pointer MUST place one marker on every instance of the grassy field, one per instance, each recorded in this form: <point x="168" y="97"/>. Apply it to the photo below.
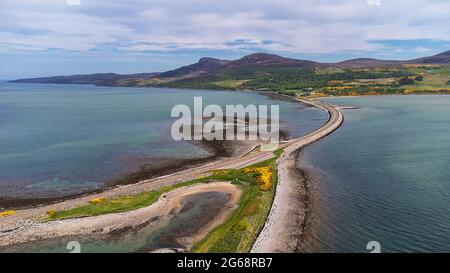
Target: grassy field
<point x="436" y="81"/>
<point x="329" y="71"/>
<point x="231" y="84"/>
<point x="425" y="80"/>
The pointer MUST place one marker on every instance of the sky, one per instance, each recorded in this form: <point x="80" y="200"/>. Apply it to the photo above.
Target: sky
<point x="63" y="37"/>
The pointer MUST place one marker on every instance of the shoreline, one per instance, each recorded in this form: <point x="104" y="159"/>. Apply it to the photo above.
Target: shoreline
<point x="280" y="232"/>
<point x="250" y="157"/>
<point x="220" y="152"/>
<point x="163" y="210"/>
<point x="314" y="212"/>
<point x="378" y="95"/>
<point x="12" y="223"/>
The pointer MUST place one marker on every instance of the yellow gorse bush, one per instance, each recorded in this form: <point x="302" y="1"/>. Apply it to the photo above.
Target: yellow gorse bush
<point x="7" y="213"/>
<point x="336" y="82"/>
<point x="221" y="172"/>
<point x="201" y="176"/>
<point x="264" y="176"/>
<point x="97" y="201"/>
<point x="344" y="87"/>
<point x="410" y="90"/>
<point x="51" y="212"/>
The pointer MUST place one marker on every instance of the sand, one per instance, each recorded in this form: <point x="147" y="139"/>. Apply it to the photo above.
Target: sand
<point x="154" y="215"/>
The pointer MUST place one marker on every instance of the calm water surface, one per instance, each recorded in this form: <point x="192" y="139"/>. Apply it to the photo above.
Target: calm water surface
<point x="64" y="139"/>
<point x="383" y="176"/>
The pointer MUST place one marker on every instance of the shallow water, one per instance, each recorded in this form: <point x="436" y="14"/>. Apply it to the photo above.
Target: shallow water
<point x="383" y="176"/>
<point x="196" y="211"/>
<point x="57" y="140"/>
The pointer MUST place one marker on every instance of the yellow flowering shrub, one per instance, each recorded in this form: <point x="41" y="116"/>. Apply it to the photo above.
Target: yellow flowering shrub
<point x="97" y="201"/>
<point x="335" y="82"/>
<point x="201" y="176"/>
<point x="7" y="213"/>
<point x="51" y="212"/>
<point x="343" y="87"/>
<point x="264" y="176"/>
<point x="221" y="172"/>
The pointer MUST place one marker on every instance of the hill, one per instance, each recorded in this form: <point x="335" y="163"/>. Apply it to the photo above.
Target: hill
<point x="367" y="62"/>
<point x="204" y="65"/>
<point x="97" y="79"/>
<point x="267" y="60"/>
<point x="262" y="71"/>
<point x="439" y="59"/>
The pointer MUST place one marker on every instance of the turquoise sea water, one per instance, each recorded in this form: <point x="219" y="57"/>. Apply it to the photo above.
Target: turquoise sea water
<point x="383" y="176"/>
<point x="57" y="140"/>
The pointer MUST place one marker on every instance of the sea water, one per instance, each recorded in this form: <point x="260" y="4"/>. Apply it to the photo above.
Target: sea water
<point x="384" y="176"/>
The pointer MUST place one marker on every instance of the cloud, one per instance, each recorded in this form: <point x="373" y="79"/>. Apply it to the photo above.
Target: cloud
<point x="293" y="26"/>
<point x="421" y="49"/>
<point x="374" y="2"/>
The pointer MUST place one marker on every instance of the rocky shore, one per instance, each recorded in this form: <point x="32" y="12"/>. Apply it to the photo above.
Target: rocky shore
<point x="28" y="230"/>
<point x="285" y="224"/>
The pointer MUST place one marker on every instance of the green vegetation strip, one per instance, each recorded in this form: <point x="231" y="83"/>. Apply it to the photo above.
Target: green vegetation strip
<point x="236" y="234"/>
<point x="102" y="206"/>
<point x="242" y="227"/>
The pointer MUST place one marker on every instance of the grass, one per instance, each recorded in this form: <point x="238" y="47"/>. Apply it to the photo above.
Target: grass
<point x="115" y="205"/>
<point x="242" y="227"/>
<point x="436" y="80"/>
<point x="238" y="232"/>
<point x="102" y="206"/>
<point x="235" y="235"/>
<point x="432" y="82"/>
<point x="329" y="71"/>
<point x="382" y="81"/>
<point x="230" y="83"/>
<point x="278" y="152"/>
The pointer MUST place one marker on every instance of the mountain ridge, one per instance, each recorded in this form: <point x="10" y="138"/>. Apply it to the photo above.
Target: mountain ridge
<point x="96" y="78"/>
<point x="441" y="58"/>
<point x="265" y="59"/>
<point x="211" y="66"/>
<point x="204" y="65"/>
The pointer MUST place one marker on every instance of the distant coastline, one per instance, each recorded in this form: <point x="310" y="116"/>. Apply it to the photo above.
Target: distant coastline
<point x="302" y="78"/>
